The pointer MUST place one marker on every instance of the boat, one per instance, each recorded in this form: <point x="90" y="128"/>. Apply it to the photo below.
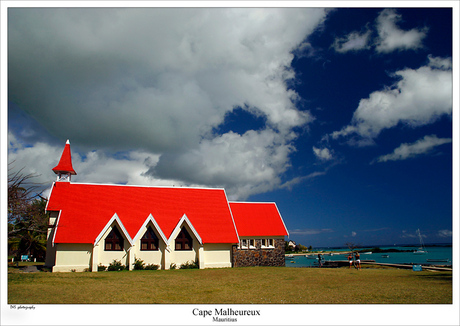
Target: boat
<point x="290" y="256"/>
<point x="385" y="256"/>
<point x="421" y="250"/>
<point x="367" y="253"/>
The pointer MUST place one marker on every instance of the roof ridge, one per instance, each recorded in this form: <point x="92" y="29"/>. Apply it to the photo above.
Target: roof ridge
<point x="144" y="186"/>
<point x="251" y="202"/>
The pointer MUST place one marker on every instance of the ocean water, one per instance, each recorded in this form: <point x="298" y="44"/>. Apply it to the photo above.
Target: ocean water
<point x="433" y="253"/>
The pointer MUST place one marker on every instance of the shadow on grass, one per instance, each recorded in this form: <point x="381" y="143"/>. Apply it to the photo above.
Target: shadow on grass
<point x="28" y="268"/>
<point x="440" y="276"/>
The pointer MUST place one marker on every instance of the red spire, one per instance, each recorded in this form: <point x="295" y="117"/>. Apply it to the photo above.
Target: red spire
<point x="65" y="163"/>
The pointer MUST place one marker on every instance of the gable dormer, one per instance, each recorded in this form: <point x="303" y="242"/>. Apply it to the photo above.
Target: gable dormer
<point x="64" y="168"/>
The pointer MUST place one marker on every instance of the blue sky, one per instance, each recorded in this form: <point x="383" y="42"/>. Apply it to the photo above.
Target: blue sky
<point x="343" y="117"/>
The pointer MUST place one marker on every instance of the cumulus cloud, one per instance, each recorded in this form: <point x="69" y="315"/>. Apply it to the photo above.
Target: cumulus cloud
<point x="391" y="37"/>
<point x="421" y="146"/>
<point x="156" y="78"/>
<point x="244" y="164"/>
<point x="38" y="159"/>
<point x="419" y="97"/>
<point x="323" y="154"/>
<point x="354" y="41"/>
<point x="160" y="81"/>
<point x="94" y="166"/>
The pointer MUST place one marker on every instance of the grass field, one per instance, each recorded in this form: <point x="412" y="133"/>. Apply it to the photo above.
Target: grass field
<point x="253" y="285"/>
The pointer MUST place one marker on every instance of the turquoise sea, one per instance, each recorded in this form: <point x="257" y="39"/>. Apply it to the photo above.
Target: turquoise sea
<point x="436" y="255"/>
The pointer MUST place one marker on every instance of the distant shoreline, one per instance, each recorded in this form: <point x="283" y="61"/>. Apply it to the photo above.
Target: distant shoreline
<point x="439" y="255"/>
<point x="361" y="249"/>
<point x="368" y="247"/>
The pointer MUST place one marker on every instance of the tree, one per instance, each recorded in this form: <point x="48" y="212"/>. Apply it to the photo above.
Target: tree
<point x="28" y="236"/>
<point x="21" y="191"/>
<point x="352" y="246"/>
<point x="288" y="246"/>
<point x="302" y="247"/>
<point x="27" y="221"/>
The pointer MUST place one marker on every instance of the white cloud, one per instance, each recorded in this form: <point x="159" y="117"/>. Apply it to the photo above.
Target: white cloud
<point x="405" y="234"/>
<point x="323" y="154"/>
<point x="291" y="183"/>
<point x="354" y="41"/>
<point x="37" y="160"/>
<point x="389" y="36"/>
<point x="421" y="146"/>
<point x="444" y="233"/>
<point x="158" y="81"/>
<point x="309" y="231"/>
<point x="419" y="97"/>
<point x="392" y="38"/>
<point x="94" y="166"/>
<point x="244" y="164"/>
<point x="440" y="234"/>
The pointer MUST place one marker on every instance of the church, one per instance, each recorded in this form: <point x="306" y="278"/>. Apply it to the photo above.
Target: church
<point x="92" y="225"/>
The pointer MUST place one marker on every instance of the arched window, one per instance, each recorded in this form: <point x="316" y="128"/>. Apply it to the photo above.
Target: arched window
<point x="184" y="241"/>
<point x="149" y="241"/>
<point x="114" y="240"/>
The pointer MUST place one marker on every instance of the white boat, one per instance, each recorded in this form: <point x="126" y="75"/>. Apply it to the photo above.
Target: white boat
<point x="367" y="253"/>
<point x="385" y="256"/>
<point x="421" y="250"/>
<point x="290" y="256"/>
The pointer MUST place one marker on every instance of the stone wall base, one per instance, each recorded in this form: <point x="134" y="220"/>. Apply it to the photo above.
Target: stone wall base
<point x="259" y="256"/>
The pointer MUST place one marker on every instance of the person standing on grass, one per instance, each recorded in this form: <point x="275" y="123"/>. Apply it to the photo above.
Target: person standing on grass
<point x="350" y="259"/>
<point x="358" y="260"/>
<point x="320" y="260"/>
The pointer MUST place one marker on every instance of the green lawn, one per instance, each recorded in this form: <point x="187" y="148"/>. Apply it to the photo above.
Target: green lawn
<point x="253" y="285"/>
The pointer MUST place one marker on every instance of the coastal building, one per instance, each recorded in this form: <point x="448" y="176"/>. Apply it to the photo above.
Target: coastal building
<point x="291" y="244"/>
<point x="94" y="224"/>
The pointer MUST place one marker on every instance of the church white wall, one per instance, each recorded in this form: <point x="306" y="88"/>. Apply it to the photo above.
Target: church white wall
<point x="149" y="257"/>
<point x="107" y="257"/>
<point x="79" y="257"/>
<point x="217" y="255"/>
<point x="180" y="257"/>
<point x="72" y="256"/>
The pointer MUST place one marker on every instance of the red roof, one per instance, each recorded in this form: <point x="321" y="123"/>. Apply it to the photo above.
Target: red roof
<point x="65" y="163"/>
<point x="258" y="219"/>
<point x="87" y="208"/>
